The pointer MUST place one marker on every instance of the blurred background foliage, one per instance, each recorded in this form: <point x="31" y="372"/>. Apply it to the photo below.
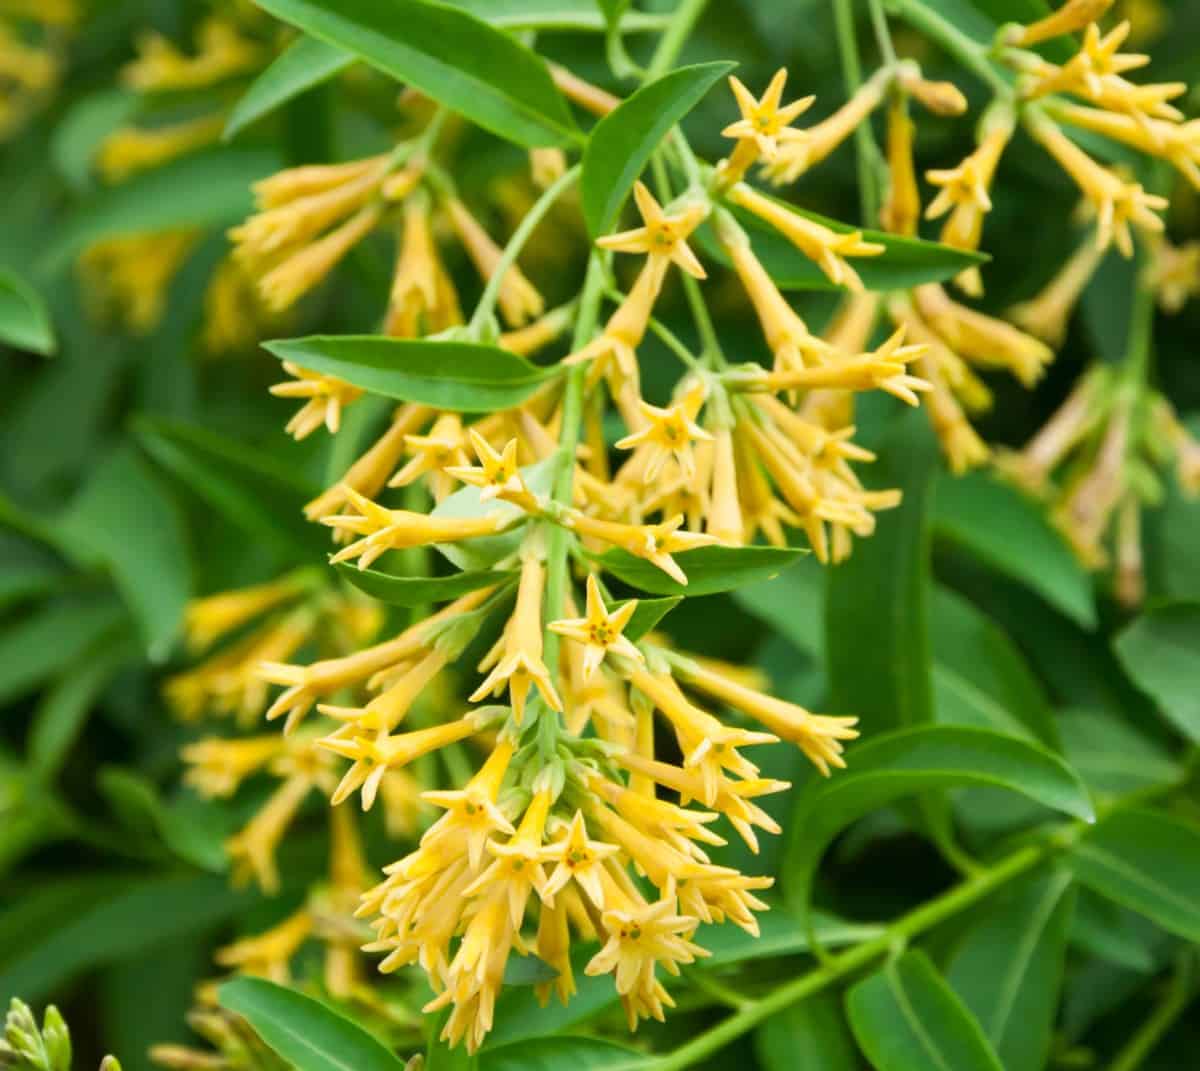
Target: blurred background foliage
<point x="143" y="464"/>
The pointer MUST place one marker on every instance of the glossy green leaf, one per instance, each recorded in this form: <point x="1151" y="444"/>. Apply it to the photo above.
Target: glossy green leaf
<point x="1111" y="755"/>
<point x="793" y="604"/>
<point x="708" y="569"/>
<point x="905" y="1018"/>
<point x="420" y="590"/>
<point x="1010" y="532"/>
<point x="528" y="970"/>
<point x="24" y="318"/>
<point x="208" y="189"/>
<point x="1008" y="968"/>
<point x="450" y="55"/>
<point x="1160" y="652"/>
<point x="1106" y="930"/>
<point x="575" y="15"/>
<point x="126" y="521"/>
<point x="78" y="136"/>
<point x="905" y="262"/>
<point x="621" y="144"/>
<point x="262" y="497"/>
<point x="519" y="1016"/>
<point x="554" y="1054"/>
<point x="305" y="63"/>
<point x="56" y="636"/>
<point x="466" y="377"/>
<point x="648" y="614"/>
<point x="306" y="1034"/>
<point x="876" y="631"/>
<point x="1145" y="861"/>
<point x="980" y="678"/>
<point x="812" y="1034"/>
<point x="891" y="766"/>
<point x="138" y="917"/>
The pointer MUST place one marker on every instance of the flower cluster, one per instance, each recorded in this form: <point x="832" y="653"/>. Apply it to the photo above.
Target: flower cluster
<point x="32" y="40"/>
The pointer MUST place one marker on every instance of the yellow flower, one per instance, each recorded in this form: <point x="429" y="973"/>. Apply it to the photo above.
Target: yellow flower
<point x="902" y="209"/>
<point x="517" y="868"/>
<point x="725" y="521"/>
<point x="216" y="766"/>
<point x="1175" y="274"/>
<point x="578" y="858"/>
<point x="1047" y="315"/>
<point x="521" y="666"/>
<point x="326" y="397"/>
<point x="661" y="235"/>
<point x="539" y="334"/>
<point x="133" y="272"/>
<point x="388" y="709"/>
<point x="1177" y="143"/>
<point x="554" y="947"/>
<point x="497" y="474"/>
<point x="1091" y="500"/>
<point x="472" y="816"/>
<point x="654" y="542"/>
<point x="940" y="98"/>
<point x="669" y="432"/>
<point x="129" y="149"/>
<point x="252" y="851"/>
<point x="519" y="299"/>
<point x="1072" y="17"/>
<point x="827" y="248"/>
<point x="763" y="121"/>
<point x="221" y="52"/>
<point x="600" y="631"/>
<point x="433" y="455"/>
<point x="267" y="954"/>
<point x="207" y="620"/>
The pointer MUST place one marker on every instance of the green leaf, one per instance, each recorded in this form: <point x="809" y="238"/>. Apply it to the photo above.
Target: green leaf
<point x="123" y="519"/>
<point x="979" y="676"/>
<point x="305" y="63"/>
<point x="1160" y="652"/>
<point x="528" y="970"/>
<point x="579" y="15"/>
<point x="1105" y="930"/>
<point x="306" y="1034"/>
<point x="467" y="377"/>
<point x="137" y="918"/>
<point x="621" y="144"/>
<point x="904" y="263"/>
<point x="613" y="10"/>
<point x="554" y="1054"/>
<point x="79" y="135"/>
<point x="809" y="1035"/>
<point x="793" y="604"/>
<point x="1111" y="756"/>
<point x="708" y="569"/>
<point x="421" y="590"/>
<point x="24" y="319"/>
<point x="648" y="614"/>
<point x="54" y="637"/>
<point x="894" y="765"/>
<point x="63" y="708"/>
<point x="876" y="641"/>
<point x="781" y="933"/>
<point x="452" y="56"/>
<point x="208" y="189"/>
<point x="1145" y="861"/>
<point x="1008" y="968"/>
<point x="905" y="1018"/>
<point x="1008" y="531"/>
<point x="264" y="498"/>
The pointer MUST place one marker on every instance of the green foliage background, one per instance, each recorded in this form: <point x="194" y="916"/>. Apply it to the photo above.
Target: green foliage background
<point x="135" y="474"/>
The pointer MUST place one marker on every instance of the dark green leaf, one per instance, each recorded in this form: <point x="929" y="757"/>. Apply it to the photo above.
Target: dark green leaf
<point x="24" y="319"/>
<point x="452" y="56"/>
<point x="467" y="377"/>
<point x="1111" y="756"/>
<point x="1009" y="532"/>
<point x="420" y="590"/>
<point x="891" y="766"/>
<point x="905" y="1018"/>
<point x="811" y="1034"/>
<point x="125" y="520"/>
<point x="1008" y="969"/>
<point x="1145" y="861"/>
<point x="554" y="1054"/>
<point x="1106" y="930"/>
<point x="648" y="614"/>
<point x="209" y="189"/>
<point x="905" y="262"/>
<point x="708" y="569"/>
<point x="308" y="1035"/>
<point x="580" y="15"/>
<point x="1161" y="653"/>
<point x="613" y="10"/>
<point x="622" y="143"/>
<point x="781" y="933"/>
<point x="528" y="970"/>
<point x="793" y="604"/>
<point x="305" y="63"/>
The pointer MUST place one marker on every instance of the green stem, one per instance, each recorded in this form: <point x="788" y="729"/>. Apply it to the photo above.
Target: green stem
<point x="1141" y="333"/>
<point x="882" y="35"/>
<point x="867" y="151"/>
<point x="1178" y="996"/>
<point x="965" y="49"/>
<point x="683" y="19"/>
<point x="487" y="303"/>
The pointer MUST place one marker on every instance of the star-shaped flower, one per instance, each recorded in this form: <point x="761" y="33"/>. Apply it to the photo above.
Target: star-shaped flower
<point x="661" y="235"/>
<point x="497" y="474"/>
<point x="764" y="120"/>
<point x="669" y="432"/>
<point x="600" y="631"/>
<point x="580" y="858"/>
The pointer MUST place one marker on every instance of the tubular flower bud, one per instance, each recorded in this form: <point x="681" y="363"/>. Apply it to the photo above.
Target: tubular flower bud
<point x="423" y="298"/>
<point x="902" y="209"/>
<point x="129" y="150"/>
<point x="1047" y="315"/>
<point x="519" y="300"/>
<point x="221" y="52"/>
<point x="326" y="395"/>
<point x="654" y="542"/>
<point x="1177" y="143"/>
<point x="1072" y="17"/>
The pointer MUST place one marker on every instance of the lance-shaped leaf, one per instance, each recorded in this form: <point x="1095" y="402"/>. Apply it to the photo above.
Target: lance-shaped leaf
<point x="1145" y="861"/>
<point x="308" y="1035"/>
<point x="305" y="63"/>
<point x="450" y="55"/>
<point x="24" y="320"/>
<point x="421" y="590"/>
<point x="709" y="569"/>
<point x="467" y="377"/>
<point x="624" y="140"/>
<point x="553" y="1054"/>
<point x="1161" y="653"/>
<point x="904" y="263"/>
<point x="1008" y="968"/>
<point x="905" y="1018"/>
<point x="898" y="764"/>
